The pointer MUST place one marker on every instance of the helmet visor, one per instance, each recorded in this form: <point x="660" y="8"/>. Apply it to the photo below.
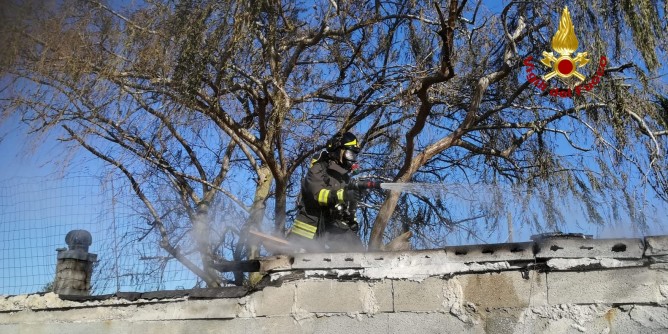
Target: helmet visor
<point x="350" y="156"/>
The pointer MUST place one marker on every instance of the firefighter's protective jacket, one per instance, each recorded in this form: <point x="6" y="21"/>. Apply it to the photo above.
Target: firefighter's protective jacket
<point x="321" y="191"/>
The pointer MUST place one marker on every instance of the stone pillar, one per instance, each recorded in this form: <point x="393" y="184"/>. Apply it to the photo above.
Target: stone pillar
<point x="75" y="265"/>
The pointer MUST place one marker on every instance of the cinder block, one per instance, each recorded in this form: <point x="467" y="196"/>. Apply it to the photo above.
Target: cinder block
<point x="329" y="296"/>
<point x="269" y="325"/>
<point x="579" y="248"/>
<point x="192" y="309"/>
<point x="273" y="301"/>
<point x="425" y="296"/>
<point x="491" y="253"/>
<point x="406" y="322"/>
<point x="383" y="295"/>
<point x="503" y="321"/>
<point x="505" y="289"/>
<point x="78" y="328"/>
<point x="568" y="318"/>
<point x="82" y="315"/>
<point x="177" y="326"/>
<point x="9" y="329"/>
<point x="237" y="325"/>
<point x="656" y="245"/>
<point x="628" y="285"/>
<point x="377" y="324"/>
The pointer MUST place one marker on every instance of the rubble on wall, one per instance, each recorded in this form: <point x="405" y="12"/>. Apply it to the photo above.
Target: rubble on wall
<point x="550" y="253"/>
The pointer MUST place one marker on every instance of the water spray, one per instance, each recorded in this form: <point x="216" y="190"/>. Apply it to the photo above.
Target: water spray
<point x="415" y="188"/>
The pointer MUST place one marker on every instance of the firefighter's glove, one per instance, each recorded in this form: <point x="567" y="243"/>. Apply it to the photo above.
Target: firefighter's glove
<point x="348" y="195"/>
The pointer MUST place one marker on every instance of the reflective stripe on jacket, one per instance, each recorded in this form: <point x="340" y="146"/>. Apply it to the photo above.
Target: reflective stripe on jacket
<point x="319" y="194"/>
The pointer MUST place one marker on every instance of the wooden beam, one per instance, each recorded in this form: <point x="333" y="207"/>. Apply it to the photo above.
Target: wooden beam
<point x="245" y="266"/>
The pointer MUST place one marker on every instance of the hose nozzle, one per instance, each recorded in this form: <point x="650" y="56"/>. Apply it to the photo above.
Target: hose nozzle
<point x="363" y="185"/>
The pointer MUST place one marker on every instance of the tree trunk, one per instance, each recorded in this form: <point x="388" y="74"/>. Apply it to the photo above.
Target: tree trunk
<point x="254" y="221"/>
<point x="281" y="206"/>
<point x="384" y="214"/>
<point x="259" y="206"/>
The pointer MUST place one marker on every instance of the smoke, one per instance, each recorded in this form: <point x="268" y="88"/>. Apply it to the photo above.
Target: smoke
<point x="653" y="215"/>
<point x="326" y="243"/>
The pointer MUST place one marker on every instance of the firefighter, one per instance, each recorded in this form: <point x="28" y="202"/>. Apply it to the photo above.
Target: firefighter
<point x="327" y="210"/>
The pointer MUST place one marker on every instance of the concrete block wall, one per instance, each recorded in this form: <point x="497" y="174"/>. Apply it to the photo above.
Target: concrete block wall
<point x="495" y="302"/>
<point x="598" y="295"/>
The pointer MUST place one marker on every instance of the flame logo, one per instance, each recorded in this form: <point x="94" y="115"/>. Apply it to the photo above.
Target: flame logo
<point x="564" y="41"/>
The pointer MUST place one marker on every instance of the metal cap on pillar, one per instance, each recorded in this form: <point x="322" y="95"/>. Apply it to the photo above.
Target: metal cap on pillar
<point x="78" y="239"/>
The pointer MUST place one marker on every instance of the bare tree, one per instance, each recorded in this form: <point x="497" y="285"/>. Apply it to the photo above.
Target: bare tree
<point x="192" y="100"/>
